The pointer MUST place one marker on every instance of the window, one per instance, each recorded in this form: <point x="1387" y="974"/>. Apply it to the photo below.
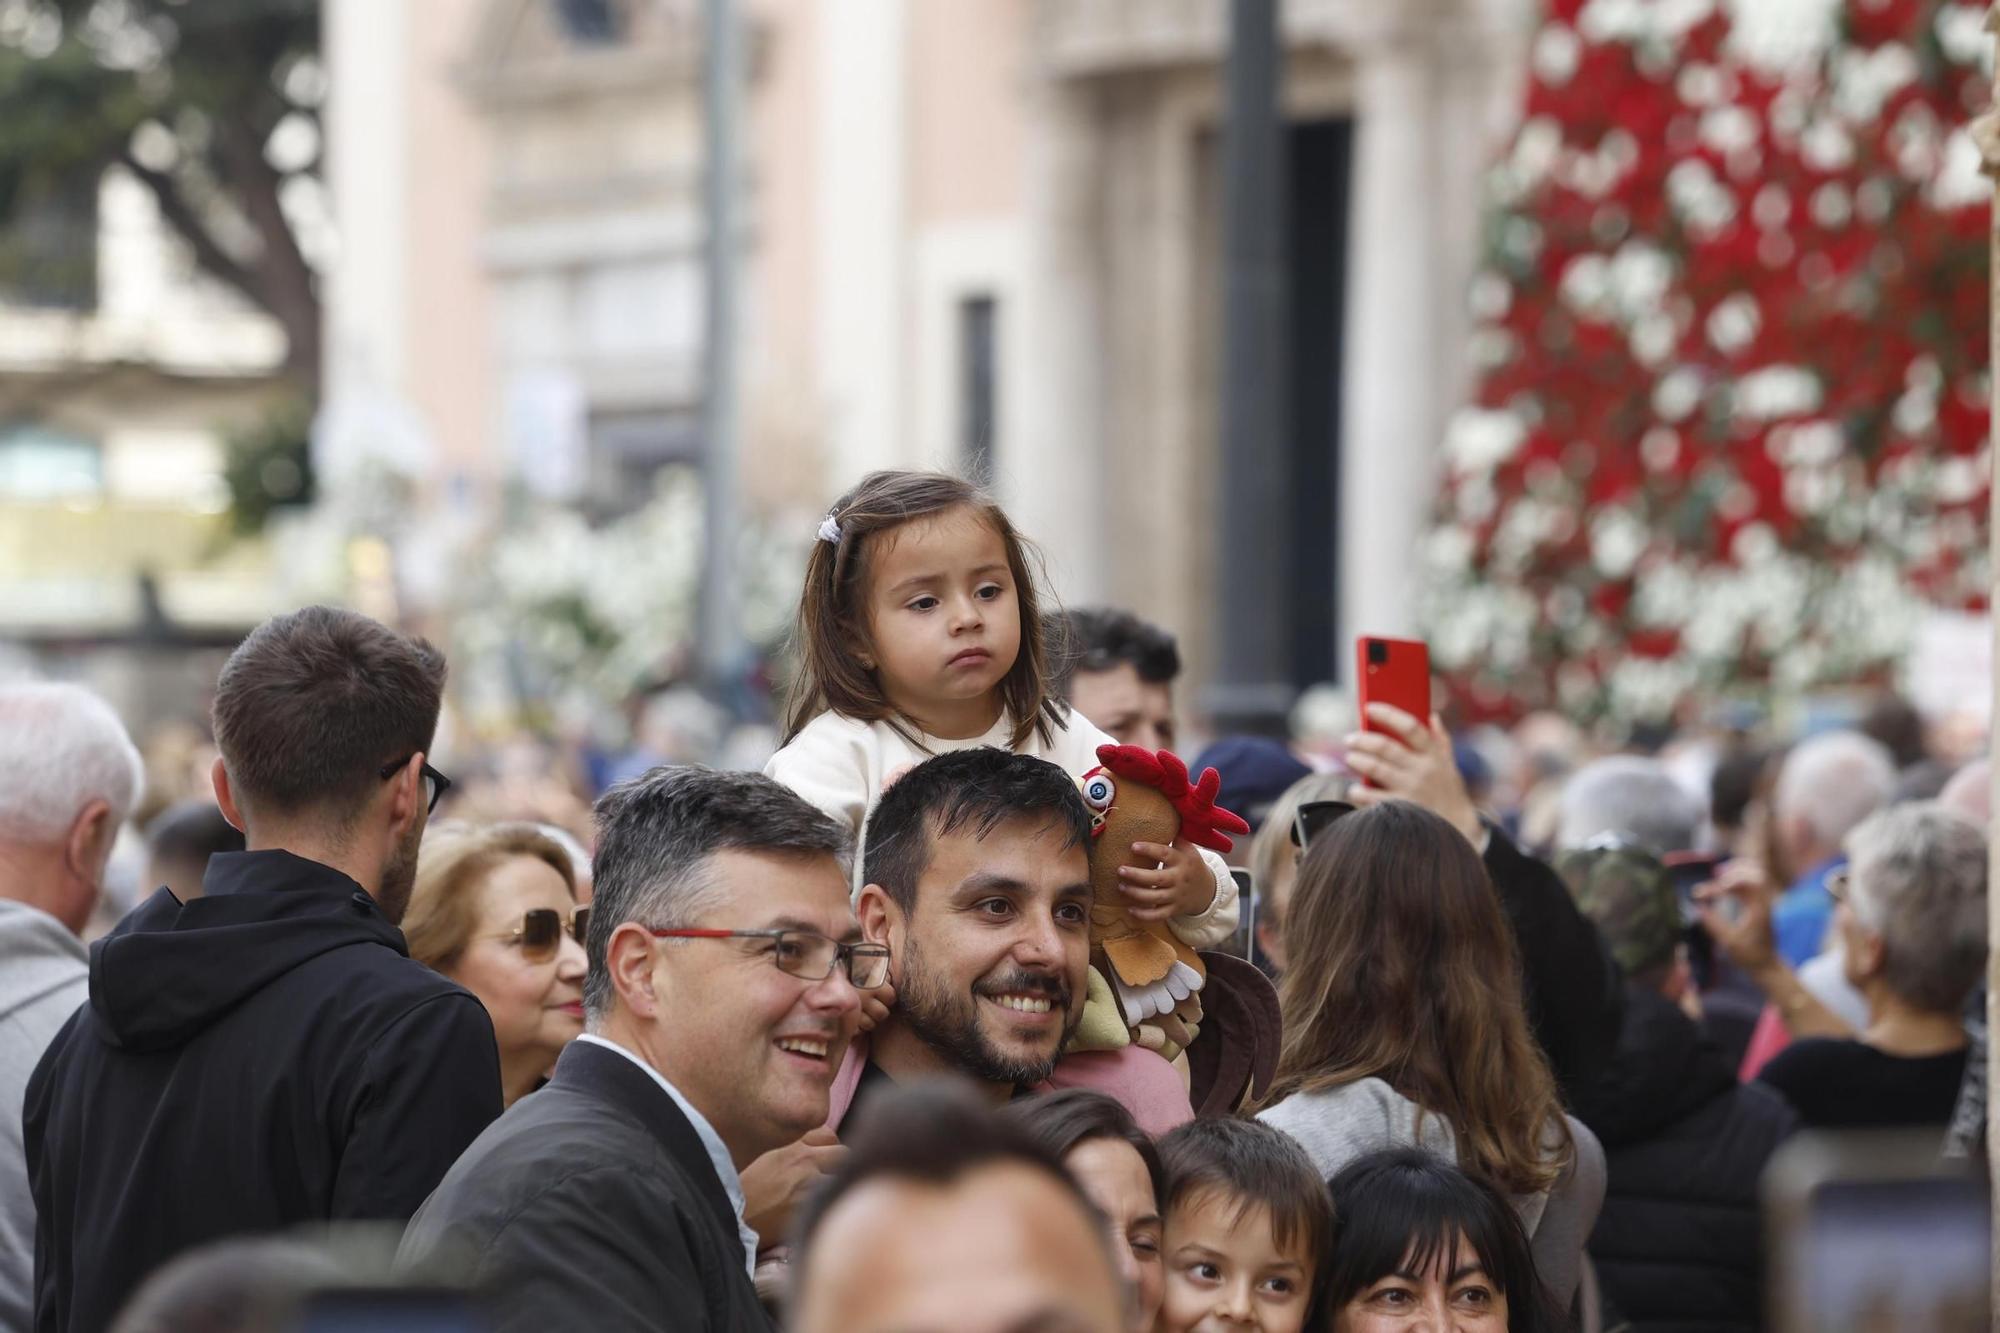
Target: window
<point x="978" y="383"/>
<point x="38" y="463"/>
<point x="591" y="22"/>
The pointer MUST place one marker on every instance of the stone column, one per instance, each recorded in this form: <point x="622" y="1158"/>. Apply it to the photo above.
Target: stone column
<point x="1393" y="407"/>
<point x="1055" y="483"/>
<point x="862" y="315"/>
<point x="367" y="174"/>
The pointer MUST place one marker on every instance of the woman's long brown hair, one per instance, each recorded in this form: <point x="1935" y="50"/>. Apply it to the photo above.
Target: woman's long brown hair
<point x="1402" y="968"/>
<point x="832" y="630"/>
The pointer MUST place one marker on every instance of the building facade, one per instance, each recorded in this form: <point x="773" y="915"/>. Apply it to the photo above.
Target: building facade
<point x="981" y="234"/>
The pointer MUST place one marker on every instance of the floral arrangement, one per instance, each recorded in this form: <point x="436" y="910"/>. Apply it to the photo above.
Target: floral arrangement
<point x="1729" y="428"/>
<point x="558" y="620"/>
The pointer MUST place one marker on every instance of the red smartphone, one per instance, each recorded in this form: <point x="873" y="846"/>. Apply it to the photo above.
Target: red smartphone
<point x="1395" y="672"/>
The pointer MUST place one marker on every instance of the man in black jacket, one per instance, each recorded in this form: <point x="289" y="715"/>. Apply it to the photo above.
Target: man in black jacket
<point x="1678" y="1244"/>
<point x="266" y="1054"/>
<point x="725" y="969"/>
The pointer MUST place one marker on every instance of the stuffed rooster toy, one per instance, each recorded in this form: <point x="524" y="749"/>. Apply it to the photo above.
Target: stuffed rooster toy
<point x="1136" y="795"/>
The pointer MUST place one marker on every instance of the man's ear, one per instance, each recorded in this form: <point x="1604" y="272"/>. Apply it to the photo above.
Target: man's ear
<point x="88" y="846"/>
<point x="629" y="959"/>
<point x="881" y="920"/>
<point x="225" y="798"/>
<point x="406" y="794"/>
<point x="1867" y="947"/>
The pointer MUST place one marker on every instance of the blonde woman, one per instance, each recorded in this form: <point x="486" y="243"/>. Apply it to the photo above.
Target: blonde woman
<point x="1274" y="858"/>
<point x="495" y="910"/>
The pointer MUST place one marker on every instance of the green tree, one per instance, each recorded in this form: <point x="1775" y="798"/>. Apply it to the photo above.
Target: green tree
<point x="212" y="104"/>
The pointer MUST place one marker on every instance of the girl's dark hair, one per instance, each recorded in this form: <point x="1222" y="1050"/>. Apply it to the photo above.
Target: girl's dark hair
<point x="1249" y="1164"/>
<point x="1066" y="1120"/>
<point x="1393" y="916"/>
<point x="832" y="623"/>
<point x="1403" y="1210"/>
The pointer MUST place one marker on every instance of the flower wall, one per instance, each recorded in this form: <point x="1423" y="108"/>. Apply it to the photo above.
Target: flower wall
<point x="1728" y="435"/>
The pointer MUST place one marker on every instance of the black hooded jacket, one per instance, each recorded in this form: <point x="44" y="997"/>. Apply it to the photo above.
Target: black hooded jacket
<point x="265" y="1055"/>
<point x="1678" y="1245"/>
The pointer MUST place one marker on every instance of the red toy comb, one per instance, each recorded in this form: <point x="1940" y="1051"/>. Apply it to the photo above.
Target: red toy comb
<point x="1203" y="822"/>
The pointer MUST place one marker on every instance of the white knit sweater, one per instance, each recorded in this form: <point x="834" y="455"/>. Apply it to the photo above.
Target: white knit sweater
<point x="841" y="765"/>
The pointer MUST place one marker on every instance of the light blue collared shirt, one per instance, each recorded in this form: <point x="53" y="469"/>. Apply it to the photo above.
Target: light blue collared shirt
<point x="725" y="1169"/>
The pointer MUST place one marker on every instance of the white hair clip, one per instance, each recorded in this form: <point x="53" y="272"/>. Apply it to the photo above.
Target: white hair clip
<point x="829" y="530"/>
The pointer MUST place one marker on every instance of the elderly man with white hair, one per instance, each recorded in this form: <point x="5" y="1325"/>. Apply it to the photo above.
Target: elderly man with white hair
<point x="1632" y="799"/>
<point x="1827" y="787"/>
<point x="69" y="775"/>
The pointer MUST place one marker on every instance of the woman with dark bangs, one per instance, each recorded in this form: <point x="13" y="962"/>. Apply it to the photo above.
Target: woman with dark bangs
<point x="1405" y="1027"/>
<point x="1419" y="1244"/>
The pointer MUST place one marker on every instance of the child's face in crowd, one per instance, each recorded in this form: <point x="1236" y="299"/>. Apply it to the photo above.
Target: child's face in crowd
<point x="1226" y="1271"/>
<point x="944" y="620"/>
<point x="1114" y="1176"/>
<point x="1452" y="1295"/>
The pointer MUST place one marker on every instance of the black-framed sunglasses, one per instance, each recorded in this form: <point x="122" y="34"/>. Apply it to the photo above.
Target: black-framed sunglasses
<point x="439" y="783"/>
<point x="804" y="954"/>
<point x="1314" y="818"/>
<point x="542" y="928"/>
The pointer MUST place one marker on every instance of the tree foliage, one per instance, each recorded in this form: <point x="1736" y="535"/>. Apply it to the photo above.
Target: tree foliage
<point x="212" y="104"/>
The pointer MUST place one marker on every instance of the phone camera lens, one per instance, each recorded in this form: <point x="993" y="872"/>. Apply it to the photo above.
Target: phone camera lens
<point x="1378" y="653"/>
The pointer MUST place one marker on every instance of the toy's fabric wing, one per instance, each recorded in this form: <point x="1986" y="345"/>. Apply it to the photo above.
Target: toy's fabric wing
<point x="1142" y="1002"/>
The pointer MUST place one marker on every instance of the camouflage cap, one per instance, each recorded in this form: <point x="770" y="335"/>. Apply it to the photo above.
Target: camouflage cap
<point x="1628" y="894"/>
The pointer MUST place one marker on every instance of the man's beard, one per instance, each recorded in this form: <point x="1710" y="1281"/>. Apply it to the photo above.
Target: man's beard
<point x="949" y="1023"/>
<point x="399" y="877"/>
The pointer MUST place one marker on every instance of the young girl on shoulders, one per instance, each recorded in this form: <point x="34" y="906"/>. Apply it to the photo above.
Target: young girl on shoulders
<point x="919" y="632"/>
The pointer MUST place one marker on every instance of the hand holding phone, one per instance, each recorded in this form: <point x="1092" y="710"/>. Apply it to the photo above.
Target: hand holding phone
<point x="1402" y="751"/>
<point x="1735" y="910"/>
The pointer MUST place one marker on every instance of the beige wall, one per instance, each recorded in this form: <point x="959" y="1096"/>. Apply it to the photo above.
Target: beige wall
<point x="968" y="63"/>
<point x="782" y="463"/>
<point x="451" y="382"/>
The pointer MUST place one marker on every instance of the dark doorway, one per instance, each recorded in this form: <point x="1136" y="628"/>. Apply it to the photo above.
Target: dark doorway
<point x="1320" y="154"/>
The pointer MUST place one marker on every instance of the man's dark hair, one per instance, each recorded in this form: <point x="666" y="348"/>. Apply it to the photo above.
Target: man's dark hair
<point x="931" y="1133"/>
<point x="655" y="835"/>
<point x="1065" y="1120"/>
<point x="1248" y="1164"/>
<point x="311" y="705"/>
<point x="977" y="788"/>
<point x="1100" y="638"/>
<point x="189" y="832"/>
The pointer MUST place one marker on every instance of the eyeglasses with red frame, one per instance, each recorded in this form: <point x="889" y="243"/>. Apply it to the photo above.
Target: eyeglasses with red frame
<point x="803" y="953"/>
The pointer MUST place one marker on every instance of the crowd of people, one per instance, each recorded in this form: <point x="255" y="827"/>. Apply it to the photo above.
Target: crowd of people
<point x="1495" y="1034"/>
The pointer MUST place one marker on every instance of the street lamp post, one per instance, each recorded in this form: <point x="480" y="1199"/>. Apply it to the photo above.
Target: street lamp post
<point x="1986" y="132"/>
<point x="720" y="629"/>
<point x="1253" y="690"/>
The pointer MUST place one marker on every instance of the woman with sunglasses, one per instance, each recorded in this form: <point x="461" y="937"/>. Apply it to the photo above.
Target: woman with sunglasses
<point x="495" y="910"/>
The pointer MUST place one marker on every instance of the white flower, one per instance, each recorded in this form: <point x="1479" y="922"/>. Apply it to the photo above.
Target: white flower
<point x="1479" y="440"/>
<point x="1617" y="539"/>
<point x="1774" y="391"/>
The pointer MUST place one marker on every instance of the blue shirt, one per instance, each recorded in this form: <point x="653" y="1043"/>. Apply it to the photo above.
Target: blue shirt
<point x="1803" y="913"/>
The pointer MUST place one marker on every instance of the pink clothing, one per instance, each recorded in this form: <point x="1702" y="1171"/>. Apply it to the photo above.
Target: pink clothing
<point x="1768" y="1038"/>
<point x="1136" y="1078"/>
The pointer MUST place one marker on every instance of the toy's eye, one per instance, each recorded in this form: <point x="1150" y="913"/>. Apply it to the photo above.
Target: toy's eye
<point x="1098" y="792"/>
